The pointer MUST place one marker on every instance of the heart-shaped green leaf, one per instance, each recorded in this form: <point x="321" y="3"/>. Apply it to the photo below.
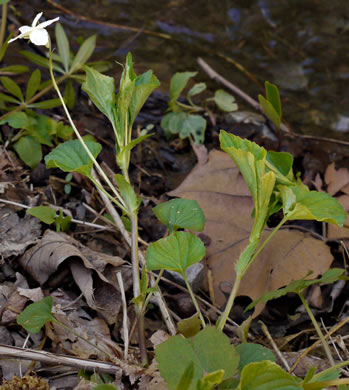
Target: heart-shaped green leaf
<point x="225" y="101"/>
<point x="267" y="376"/>
<point x="176" y="252"/>
<point x="72" y="157"/>
<point x="44" y="213"/>
<point x="252" y="353"/>
<point x="184" y="125"/>
<point x="210" y="350"/>
<point x="36" y="315"/>
<point x="181" y="213"/>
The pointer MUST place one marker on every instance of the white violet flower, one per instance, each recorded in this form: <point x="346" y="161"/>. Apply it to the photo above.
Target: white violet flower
<point x="35" y="33"/>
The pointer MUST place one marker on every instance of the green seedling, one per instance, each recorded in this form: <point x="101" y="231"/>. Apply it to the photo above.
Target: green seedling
<point x="179" y="250"/>
<point x="48" y="215"/>
<point x="271" y="105"/>
<point x="270" y="179"/>
<point x="183" y="119"/>
<point x="67" y="185"/>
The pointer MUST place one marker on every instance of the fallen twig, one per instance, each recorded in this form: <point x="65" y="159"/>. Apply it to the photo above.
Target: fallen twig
<point x="9" y="352"/>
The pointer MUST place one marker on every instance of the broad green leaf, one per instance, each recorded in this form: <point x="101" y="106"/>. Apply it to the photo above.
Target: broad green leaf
<point x="83" y="54"/>
<point x="15" y="69"/>
<point x="72" y="157"/>
<point x="63" y="46"/>
<point x="245" y="155"/>
<point x="176" y="252"/>
<point x="297" y="286"/>
<point x="267" y="376"/>
<point x="196" y="89"/>
<point x="44" y="213"/>
<point x="36" y="315"/>
<point x="33" y="84"/>
<point x="181" y="213"/>
<point x="69" y="95"/>
<point x="269" y="111"/>
<point x="281" y="164"/>
<point x="186" y="378"/>
<point x="273" y="96"/>
<point x="307" y="204"/>
<point x="225" y="101"/>
<point x="12" y="87"/>
<point x="128" y="194"/>
<point x="209" y="381"/>
<point x="101" y="90"/>
<point x="210" y="351"/>
<point x="17" y="120"/>
<point x="9" y="99"/>
<point x="4" y="2"/>
<point x="184" y="125"/>
<point x="251" y="353"/>
<point x="144" y="86"/>
<point x="29" y="150"/>
<point x="178" y="83"/>
<point x="46" y="104"/>
<point x="105" y="387"/>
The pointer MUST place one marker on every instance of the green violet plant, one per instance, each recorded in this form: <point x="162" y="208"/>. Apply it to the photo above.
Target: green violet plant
<point x="80" y="155"/>
<point x="205" y="359"/>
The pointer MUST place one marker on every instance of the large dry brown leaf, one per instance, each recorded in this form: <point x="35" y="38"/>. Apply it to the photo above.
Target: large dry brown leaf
<point x="43" y="260"/>
<point x="223" y="195"/>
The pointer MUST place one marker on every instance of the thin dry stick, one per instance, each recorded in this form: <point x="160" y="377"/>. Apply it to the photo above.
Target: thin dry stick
<point x="9" y="352"/>
<point x="317" y="343"/>
<point x="157" y="295"/>
<point x="273" y="344"/>
<point x="124" y="309"/>
<point x="216" y="76"/>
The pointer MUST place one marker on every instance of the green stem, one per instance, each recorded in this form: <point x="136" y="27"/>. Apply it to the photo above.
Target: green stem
<point x="239" y="275"/>
<point x="197" y="307"/>
<point x="98" y="167"/>
<point x="318" y="329"/>
<point x="224" y="316"/>
<point x="106" y="193"/>
<point x="155" y="285"/>
<point x="3" y="24"/>
<point x="136" y="289"/>
<point x="264" y="243"/>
